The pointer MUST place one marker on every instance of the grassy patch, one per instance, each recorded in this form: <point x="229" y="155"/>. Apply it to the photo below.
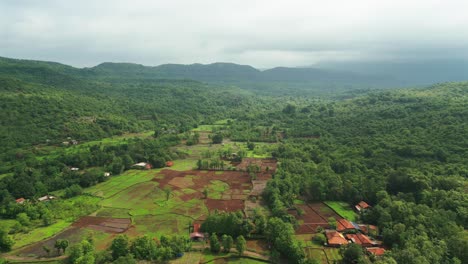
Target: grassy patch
<point x="188" y="258"/>
<point x="316" y="253"/>
<point x="333" y="254"/>
<point x="118" y="183"/>
<point x="38" y="234"/>
<point x="184" y="164"/>
<point x="216" y="189"/>
<point x="297" y="201"/>
<point x="343" y="209"/>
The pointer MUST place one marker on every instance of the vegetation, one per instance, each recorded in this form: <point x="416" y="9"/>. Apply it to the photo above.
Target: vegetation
<point x="404" y="152"/>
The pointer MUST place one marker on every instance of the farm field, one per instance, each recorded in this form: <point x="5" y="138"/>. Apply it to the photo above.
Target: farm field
<point x="313" y="215"/>
<point x="343" y="209"/>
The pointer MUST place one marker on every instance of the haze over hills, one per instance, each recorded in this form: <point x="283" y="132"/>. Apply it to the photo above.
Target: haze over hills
<point x="324" y="78"/>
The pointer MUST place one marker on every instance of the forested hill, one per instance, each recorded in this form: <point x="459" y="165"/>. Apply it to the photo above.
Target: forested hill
<point x="276" y="81"/>
<point x="49" y="102"/>
<point x="279" y="80"/>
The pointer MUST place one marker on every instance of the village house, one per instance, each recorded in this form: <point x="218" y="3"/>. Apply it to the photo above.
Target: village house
<point x="107" y="174"/>
<point x="335" y="238"/>
<point x="376" y="251"/>
<point x="20" y="200"/>
<point x="362" y="206"/>
<point x="142" y="166"/>
<point x="371" y="230"/>
<point x="46" y="198"/>
<point x="360" y="239"/>
<point x="196" y="234"/>
<point x="74" y="169"/>
<point x="343" y="225"/>
<point x="169" y="163"/>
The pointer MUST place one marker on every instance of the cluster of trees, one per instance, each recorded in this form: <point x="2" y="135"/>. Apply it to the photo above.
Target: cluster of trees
<point x="213" y="164"/>
<point x="33" y="178"/>
<point x="28" y="215"/>
<point x="125" y="251"/>
<point x="146" y="248"/>
<point x="401" y="151"/>
<point x="227" y="243"/>
<point x="228" y="223"/>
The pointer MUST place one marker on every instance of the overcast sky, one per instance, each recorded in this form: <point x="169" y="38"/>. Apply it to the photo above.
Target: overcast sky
<point x="259" y="33"/>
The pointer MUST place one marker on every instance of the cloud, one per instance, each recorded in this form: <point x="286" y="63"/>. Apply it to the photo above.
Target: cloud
<point x="255" y="32"/>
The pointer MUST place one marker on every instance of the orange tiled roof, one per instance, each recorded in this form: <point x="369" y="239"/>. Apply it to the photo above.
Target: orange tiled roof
<point x="378" y="251"/>
<point x="343" y="224"/>
<point x="335" y="238"/>
<point x="366" y="228"/>
<point x="363" y="205"/>
<point x="359" y="239"/>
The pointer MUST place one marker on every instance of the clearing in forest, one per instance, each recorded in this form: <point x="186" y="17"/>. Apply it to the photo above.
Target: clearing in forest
<point x="312" y="216"/>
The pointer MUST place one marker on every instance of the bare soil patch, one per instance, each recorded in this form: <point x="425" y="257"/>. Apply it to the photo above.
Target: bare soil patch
<point x="72" y="234"/>
<point x="224" y="205"/>
<point x="314" y="215"/>
<point x="109" y="225"/>
<point x="267" y="166"/>
<point x="181" y="182"/>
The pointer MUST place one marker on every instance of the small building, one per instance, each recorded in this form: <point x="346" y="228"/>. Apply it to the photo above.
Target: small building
<point x="142" y="166"/>
<point x="74" y="169"/>
<point x="20" y="200"/>
<point x="65" y="143"/>
<point x="107" y="174"/>
<point x="345" y="225"/>
<point x="169" y="163"/>
<point x="335" y="238"/>
<point x="74" y="142"/>
<point x="360" y="239"/>
<point x="362" y="206"/>
<point x="371" y="230"/>
<point x="196" y="234"/>
<point x="46" y="198"/>
<point x="376" y="251"/>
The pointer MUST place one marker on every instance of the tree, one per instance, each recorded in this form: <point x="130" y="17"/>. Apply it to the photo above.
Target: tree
<point x="217" y="138"/>
<point x="75" y="252"/>
<point x="127" y="259"/>
<point x="352" y="254"/>
<point x="332" y="222"/>
<point x="23" y="219"/>
<point x="167" y="190"/>
<point x="205" y="193"/>
<point x="144" y="248"/>
<point x="227" y="242"/>
<point x="47" y="218"/>
<point x="250" y="145"/>
<point x="6" y="242"/>
<point x="320" y="239"/>
<point x="215" y="246"/>
<point x="61" y="244"/>
<point x="46" y="250"/>
<point x="241" y="245"/>
<point x="119" y="246"/>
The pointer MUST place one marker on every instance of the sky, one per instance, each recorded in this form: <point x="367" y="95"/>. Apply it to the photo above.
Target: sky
<point x="263" y="34"/>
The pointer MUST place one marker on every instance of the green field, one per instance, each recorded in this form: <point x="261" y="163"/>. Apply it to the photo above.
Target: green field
<point x="343" y="209"/>
<point x="118" y="183"/>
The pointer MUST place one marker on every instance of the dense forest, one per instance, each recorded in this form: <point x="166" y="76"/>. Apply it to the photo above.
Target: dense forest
<point x="404" y="151"/>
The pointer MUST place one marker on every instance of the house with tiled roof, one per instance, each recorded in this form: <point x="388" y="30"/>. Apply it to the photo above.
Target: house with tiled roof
<point x="371" y="230"/>
<point x="196" y="234"/>
<point x="376" y="251"/>
<point x="20" y="200"/>
<point x="362" y="206"/>
<point x="335" y="238"/>
<point x="360" y="239"/>
<point x="345" y="225"/>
